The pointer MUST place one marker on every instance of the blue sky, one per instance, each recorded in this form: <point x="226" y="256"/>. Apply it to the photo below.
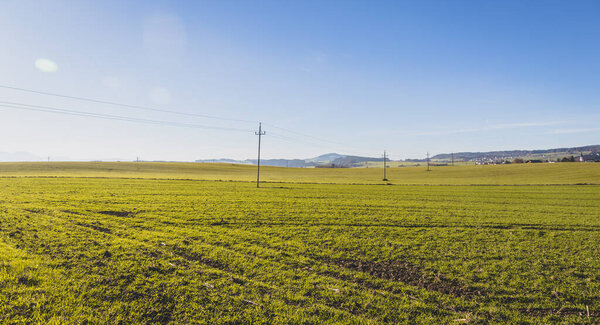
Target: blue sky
<point x="324" y="76"/>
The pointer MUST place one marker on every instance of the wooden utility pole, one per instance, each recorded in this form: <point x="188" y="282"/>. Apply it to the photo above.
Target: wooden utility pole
<point x="384" y="165"/>
<point x="260" y="133"/>
<point x="453" y="159"/>
<point x="428" y="162"/>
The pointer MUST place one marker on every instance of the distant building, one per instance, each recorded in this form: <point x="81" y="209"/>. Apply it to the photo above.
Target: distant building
<point x="592" y="157"/>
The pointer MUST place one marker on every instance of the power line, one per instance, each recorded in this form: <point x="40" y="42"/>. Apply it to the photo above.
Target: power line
<point x="49" y="109"/>
<point x="55" y="110"/>
<point x="148" y="121"/>
<point x="99" y="101"/>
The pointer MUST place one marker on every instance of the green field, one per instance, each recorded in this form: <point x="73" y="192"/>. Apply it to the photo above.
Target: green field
<point x="517" y="174"/>
<point x="169" y="242"/>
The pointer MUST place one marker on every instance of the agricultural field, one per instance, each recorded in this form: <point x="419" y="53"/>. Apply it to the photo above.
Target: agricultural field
<point x="199" y="243"/>
<point x="517" y="174"/>
<point x="378" y="164"/>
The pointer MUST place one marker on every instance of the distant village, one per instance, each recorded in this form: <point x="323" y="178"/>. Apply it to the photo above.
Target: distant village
<point x="591" y="157"/>
<point x="334" y="160"/>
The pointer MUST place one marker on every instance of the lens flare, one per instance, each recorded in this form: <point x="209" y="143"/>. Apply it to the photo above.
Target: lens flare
<point x="46" y="65"/>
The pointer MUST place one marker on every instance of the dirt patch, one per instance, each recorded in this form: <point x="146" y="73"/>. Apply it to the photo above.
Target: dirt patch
<point x="122" y="214"/>
<point x="73" y="212"/>
<point x="16" y="233"/>
<point x="410" y="274"/>
<point x="28" y="281"/>
<point x="39" y="211"/>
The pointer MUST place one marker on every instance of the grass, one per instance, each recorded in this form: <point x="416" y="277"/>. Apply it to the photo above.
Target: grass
<point x="146" y="243"/>
<point x="514" y="174"/>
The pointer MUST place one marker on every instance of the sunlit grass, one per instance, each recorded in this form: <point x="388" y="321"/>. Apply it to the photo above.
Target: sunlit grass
<point x="112" y="249"/>
<point x="558" y="173"/>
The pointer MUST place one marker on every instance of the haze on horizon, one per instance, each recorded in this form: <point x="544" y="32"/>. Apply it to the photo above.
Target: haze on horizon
<point x="354" y="77"/>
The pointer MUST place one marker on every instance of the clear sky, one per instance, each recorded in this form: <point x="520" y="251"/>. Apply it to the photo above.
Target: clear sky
<point x="345" y="76"/>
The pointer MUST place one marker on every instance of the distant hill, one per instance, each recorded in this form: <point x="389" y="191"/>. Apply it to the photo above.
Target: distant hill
<point x="329" y="160"/>
<point x="299" y="163"/>
<point x="340" y="160"/>
<point x="337" y="160"/>
<point x="511" y="154"/>
<point x="326" y="158"/>
<point x="353" y="161"/>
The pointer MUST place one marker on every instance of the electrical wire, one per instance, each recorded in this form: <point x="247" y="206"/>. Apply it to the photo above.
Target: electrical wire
<point x="157" y="122"/>
<point x="98" y="101"/>
<point x="48" y="109"/>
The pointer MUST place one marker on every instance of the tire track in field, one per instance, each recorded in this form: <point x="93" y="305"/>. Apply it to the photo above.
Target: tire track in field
<point x="415" y="279"/>
<point x="160" y="223"/>
<point x="393" y="271"/>
<point x="198" y="257"/>
<point x="420" y="283"/>
<point x="335" y="275"/>
<point x="398" y="271"/>
<point x="394" y="225"/>
<point x="74" y="225"/>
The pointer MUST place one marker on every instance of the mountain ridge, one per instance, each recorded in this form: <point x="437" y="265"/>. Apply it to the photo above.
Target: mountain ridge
<point x="511" y="154"/>
<point x="341" y="160"/>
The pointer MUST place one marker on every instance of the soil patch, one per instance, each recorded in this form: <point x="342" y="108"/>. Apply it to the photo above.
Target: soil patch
<point x="410" y="274"/>
<point x="95" y="227"/>
<point x="118" y="213"/>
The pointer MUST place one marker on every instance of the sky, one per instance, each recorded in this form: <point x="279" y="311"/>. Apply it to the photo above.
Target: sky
<point x="352" y="77"/>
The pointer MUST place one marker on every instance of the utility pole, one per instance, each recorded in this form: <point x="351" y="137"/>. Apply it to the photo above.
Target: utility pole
<point x="428" y="162"/>
<point x="453" y="159"/>
<point x="260" y="133"/>
<point x="384" y="166"/>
